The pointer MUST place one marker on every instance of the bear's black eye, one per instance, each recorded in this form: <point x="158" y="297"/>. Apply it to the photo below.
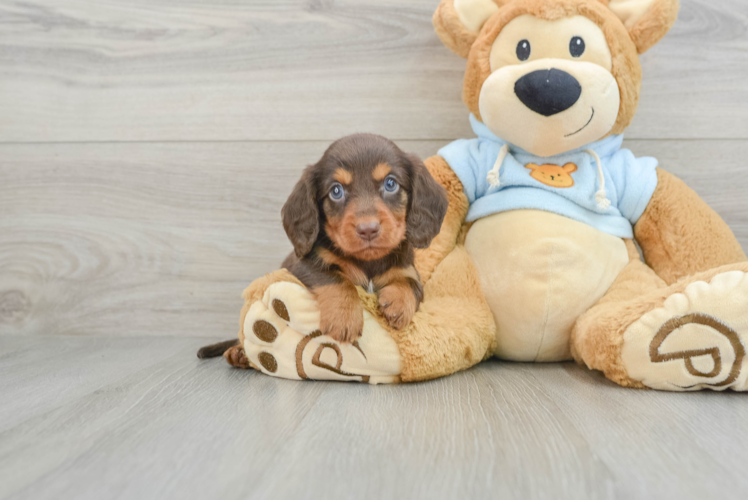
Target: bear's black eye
<point x="576" y="46"/>
<point x="523" y="50"/>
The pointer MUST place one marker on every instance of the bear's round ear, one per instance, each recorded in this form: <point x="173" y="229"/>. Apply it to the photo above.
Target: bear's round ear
<point x="647" y="21"/>
<point x="458" y="22"/>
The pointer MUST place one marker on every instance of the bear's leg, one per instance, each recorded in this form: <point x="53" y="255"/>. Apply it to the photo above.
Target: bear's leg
<point x="452" y="331"/>
<point x="687" y="336"/>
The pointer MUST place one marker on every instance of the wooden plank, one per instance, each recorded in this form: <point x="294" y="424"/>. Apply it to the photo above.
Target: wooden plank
<point x="156" y="70"/>
<point x="689" y="441"/>
<point x="160" y="239"/>
<point x="487" y="433"/>
<point x="42" y="373"/>
<point x="181" y="428"/>
<point x="178" y="427"/>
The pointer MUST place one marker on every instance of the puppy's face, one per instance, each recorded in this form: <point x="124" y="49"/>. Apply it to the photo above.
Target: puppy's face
<point x="366" y="203"/>
<point x="367" y="196"/>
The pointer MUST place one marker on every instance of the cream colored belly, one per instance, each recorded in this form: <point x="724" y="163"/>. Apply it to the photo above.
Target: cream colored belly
<point x="539" y="272"/>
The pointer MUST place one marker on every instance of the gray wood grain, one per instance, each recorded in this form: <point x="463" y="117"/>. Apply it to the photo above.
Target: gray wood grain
<point x="688" y="434"/>
<point x="175" y="427"/>
<point x="39" y="376"/>
<point x="160" y="239"/>
<point x="159" y="70"/>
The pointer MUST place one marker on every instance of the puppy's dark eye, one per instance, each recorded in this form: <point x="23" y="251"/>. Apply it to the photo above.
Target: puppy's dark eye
<point x="523" y="50"/>
<point x="337" y="192"/>
<point x="577" y="46"/>
<point x="391" y="185"/>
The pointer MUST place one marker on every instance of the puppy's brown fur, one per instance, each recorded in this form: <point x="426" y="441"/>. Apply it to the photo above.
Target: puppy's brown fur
<point x="354" y="218"/>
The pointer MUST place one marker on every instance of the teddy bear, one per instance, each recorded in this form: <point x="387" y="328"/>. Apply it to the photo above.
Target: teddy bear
<point x="558" y="243"/>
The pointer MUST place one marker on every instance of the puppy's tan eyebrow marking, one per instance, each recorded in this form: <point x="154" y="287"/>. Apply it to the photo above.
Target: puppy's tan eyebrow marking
<point x="343" y="176"/>
<point x="381" y="171"/>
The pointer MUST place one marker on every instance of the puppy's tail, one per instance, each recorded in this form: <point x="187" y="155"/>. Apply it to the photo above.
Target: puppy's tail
<point x="215" y="350"/>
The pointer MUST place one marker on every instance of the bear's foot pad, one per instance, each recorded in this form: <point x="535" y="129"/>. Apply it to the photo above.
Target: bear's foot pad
<point x="696" y="340"/>
<point x="282" y="339"/>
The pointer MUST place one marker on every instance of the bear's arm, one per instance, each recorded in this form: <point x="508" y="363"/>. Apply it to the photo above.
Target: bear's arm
<point x="428" y="258"/>
<point x="681" y="235"/>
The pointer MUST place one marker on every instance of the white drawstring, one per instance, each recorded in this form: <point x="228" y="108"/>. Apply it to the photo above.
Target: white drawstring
<point x="493" y="174"/>
<point x="601" y="197"/>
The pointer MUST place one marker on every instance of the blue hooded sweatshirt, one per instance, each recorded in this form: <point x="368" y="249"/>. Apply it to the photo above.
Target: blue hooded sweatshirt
<point x="610" y="195"/>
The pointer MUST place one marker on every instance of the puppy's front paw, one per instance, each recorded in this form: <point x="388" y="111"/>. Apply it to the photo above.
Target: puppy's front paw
<point x="398" y="304"/>
<point x="344" y="334"/>
<point x="344" y="324"/>
<point x="341" y="315"/>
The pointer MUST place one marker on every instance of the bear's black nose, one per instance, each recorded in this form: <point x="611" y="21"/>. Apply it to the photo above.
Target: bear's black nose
<point x="548" y="91"/>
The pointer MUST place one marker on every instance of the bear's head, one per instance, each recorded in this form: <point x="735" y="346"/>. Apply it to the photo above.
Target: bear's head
<point x="551" y="76"/>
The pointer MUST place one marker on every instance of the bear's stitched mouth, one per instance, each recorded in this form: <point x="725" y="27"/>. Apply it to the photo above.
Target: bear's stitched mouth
<point x="585" y="125"/>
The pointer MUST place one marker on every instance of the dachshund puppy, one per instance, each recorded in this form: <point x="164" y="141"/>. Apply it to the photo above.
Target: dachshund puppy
<point x="354" y="219"/>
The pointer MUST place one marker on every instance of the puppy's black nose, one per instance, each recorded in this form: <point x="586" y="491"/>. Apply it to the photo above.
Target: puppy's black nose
<point x="367" y="231"/>
<point x="548" y="91"/>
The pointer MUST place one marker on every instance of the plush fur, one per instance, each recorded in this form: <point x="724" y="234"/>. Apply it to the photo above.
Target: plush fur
<point x="445" y="241"/>
<point x="454" y="329"/>
<point x="451" y="31"/>
<point x="650" y="29"/>
<point x="680" y="235"/>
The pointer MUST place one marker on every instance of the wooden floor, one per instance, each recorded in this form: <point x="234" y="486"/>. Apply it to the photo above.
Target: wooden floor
<point x="146" y="147"/>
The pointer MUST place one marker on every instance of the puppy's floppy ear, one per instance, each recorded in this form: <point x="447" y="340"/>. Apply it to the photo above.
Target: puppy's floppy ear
<point x="427" y="207"/>
<point x="458" y="22"/>
<point x="647" y="21"/>
<point x="301" y="214"/>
